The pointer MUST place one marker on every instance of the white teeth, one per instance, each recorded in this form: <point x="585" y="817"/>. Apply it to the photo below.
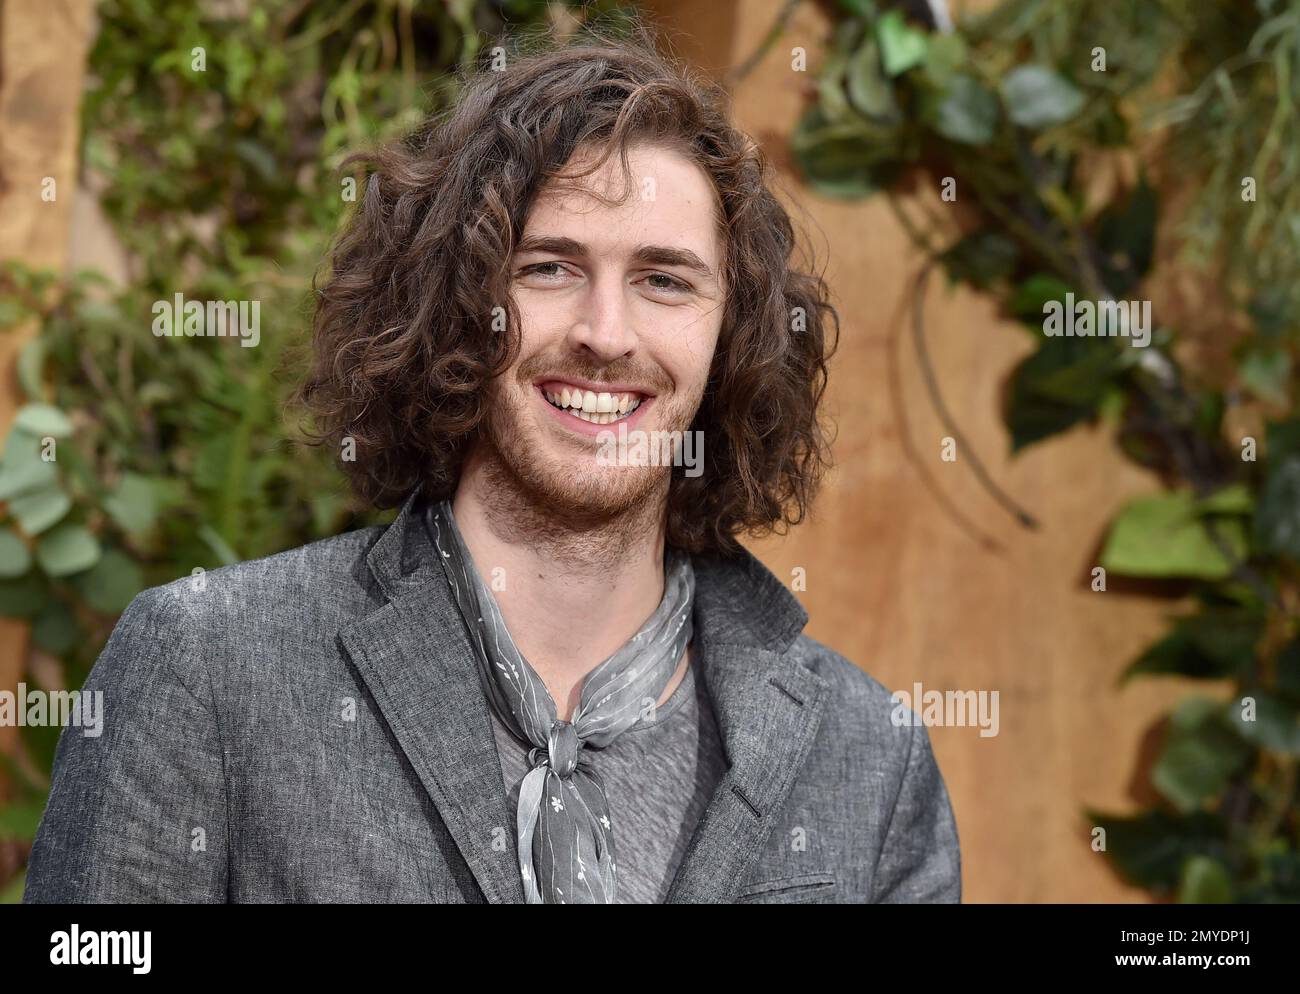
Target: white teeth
<point x="601" y="408"/>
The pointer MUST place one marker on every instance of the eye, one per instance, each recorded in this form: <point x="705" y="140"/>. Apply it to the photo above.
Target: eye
<point x="545" y="272"/>
<point x="667" y="284"/>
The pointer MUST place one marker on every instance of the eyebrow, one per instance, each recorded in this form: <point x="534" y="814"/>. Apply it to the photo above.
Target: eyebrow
<point x="655" y="255"/>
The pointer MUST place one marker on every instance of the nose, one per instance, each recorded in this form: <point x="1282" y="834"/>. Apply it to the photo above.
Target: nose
<point x="603" y="325"/>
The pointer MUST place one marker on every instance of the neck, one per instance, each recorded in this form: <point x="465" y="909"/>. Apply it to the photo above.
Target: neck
<point x="576" y="585"/>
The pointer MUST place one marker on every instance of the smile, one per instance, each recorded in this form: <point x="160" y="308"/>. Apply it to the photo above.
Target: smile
<point x="588" y="405"/>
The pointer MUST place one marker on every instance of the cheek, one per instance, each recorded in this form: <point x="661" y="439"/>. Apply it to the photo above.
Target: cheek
<point x="542" y="332"/>
<point x="542" y="317"/>
<point x="688" y="351"/>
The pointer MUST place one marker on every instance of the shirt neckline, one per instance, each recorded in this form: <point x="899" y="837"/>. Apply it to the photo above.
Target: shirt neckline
<point x="676" y="700"/>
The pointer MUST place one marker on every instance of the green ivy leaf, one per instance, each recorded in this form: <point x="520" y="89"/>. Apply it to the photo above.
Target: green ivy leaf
<point x="66" y="550"/>
<point x="1037" y="97"/>
<point x="1279" y="877"/>
<point x="42" y="420"/>
<point x="901" y="45"/>
<point x="1150" y="849"/>
<point x="1215" y="644"/>
<point x="23" y="597"/>
<point x="31" y="361"/>
<point x="54" y="629"/>
<point x="869" y="91"/>
<point x="1277" y="521"/>
<point x="1275" y="723"/>
<point x="944" y="56"/>
<point x="1205" y="881"/>
<point x="133" y="504"/>
<point x="15" y="559"/>
<point x="982" y="258"/>
<point x="1033" y="294"/>
<point x="1200" y="754"/>
<point x="837" y="159"/>
<point x="967" y="112"/>
<point x="38" y="510"/>
<point x="22" y="469"/>
<point x="111" y="584"/>
<point x="1164" y="536"/>
<point x="1235" y="498"/>
<point x="832" y="102"/>
<point x="1061" y="384"/>
<point x="1126" y="238"/>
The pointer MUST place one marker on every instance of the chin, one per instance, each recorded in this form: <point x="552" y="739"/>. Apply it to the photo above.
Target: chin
<point x="558" y="475"/>
<point x="590" y="490"/>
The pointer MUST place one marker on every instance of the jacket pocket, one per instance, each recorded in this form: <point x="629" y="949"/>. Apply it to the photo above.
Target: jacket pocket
<point x="805" y="888"/>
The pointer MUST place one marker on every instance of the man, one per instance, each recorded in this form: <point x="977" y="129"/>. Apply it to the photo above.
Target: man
<point x="556" y="677"/>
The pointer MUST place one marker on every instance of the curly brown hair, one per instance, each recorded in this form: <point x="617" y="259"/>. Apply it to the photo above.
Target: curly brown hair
<point x="404" y="340"/>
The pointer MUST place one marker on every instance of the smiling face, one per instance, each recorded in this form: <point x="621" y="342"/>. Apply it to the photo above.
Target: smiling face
<point x="621" y="307"/>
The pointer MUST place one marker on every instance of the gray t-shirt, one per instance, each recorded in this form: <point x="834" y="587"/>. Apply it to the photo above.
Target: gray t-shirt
<point x="658" y="776"/>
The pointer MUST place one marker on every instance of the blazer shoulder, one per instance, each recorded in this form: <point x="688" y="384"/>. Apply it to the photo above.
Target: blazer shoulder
<point x="333" y="566"/>
<point x="860" y="718"/>
<point x="851" y="687"/>
<point x="303" y="586"/>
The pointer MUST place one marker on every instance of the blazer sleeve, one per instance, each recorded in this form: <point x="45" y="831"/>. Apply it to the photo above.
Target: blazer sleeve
<point x="137" y="812"/>
<point x="920" y="861"/>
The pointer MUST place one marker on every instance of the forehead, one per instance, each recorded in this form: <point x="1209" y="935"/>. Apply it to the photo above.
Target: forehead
<point x="671" y="202"/>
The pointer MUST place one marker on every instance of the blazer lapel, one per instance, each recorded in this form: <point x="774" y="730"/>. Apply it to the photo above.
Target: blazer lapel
<point x="416" y="658"/>
<point x="417" y="661"/>
<point x="768" y="709"/>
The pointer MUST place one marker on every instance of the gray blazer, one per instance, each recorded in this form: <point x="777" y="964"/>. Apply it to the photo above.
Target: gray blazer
<point x="309" y="727"/>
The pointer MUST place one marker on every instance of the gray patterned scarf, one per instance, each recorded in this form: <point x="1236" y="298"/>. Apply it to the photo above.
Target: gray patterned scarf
<point x="566" y="840"/>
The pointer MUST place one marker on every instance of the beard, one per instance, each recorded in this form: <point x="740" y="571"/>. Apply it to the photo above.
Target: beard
<point x="548" y="485"/>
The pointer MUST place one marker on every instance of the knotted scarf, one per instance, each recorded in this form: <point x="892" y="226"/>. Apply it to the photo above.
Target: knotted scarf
<point x="564" y="832"/>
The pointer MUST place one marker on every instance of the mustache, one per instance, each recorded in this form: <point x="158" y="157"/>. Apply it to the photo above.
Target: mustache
<point x="615" y="372"/>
